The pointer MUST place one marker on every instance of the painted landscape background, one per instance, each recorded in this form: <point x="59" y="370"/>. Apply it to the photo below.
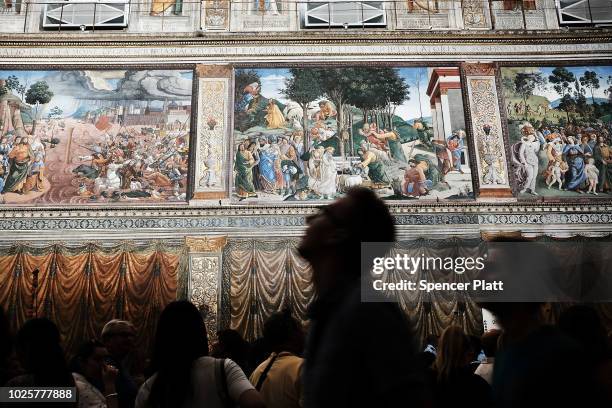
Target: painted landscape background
<point x="93" y="136"/>
<point x="309" y="134"/>
<point x="568" y="112"/>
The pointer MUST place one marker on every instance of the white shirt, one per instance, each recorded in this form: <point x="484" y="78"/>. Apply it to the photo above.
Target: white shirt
<point x="88" y="395"/>
<point x="485" y="369"/>
<point x="203" y="377"/>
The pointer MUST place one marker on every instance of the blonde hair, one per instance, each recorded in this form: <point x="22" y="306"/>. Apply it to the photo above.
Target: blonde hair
<point x="454" y="344"/>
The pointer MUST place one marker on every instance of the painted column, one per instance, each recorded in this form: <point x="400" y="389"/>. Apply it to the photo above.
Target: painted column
<point x="212" y="132"/>
<point x="445" y="113"/>
<point x="440" y="119"/>
<point x="434" y="121"/>
<point x="486" y="126"/>
<point x="204" y="284"/>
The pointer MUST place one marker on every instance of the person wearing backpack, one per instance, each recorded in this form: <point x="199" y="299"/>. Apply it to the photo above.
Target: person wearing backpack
<point x="278" y="379"/>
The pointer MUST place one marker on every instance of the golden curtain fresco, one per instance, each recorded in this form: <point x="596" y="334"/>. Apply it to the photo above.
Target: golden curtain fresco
<point x="267" y="276"/>
<point x="82" y="287"/>
<point x="433" y="312"/>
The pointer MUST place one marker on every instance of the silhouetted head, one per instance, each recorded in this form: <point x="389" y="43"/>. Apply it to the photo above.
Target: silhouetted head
<point x="180" y="333"/>
<point x="118" y="337"/>
<point x="40" y="352"/>
<point x="432" y="339"/>
<point x="332" y="243"/>
<point x="454" y="352"/>
<point x="230" y="344"/>
<point x="582" y="323"/>
<point x="89" y="360"/>
<point x="179" y="340"/>
<point x="283" y="332"/>
<point x="489" y="342"/>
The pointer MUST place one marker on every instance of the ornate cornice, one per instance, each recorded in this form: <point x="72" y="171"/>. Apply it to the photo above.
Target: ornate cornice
<point x="74" y="39"/>
<point x="300" y="48"/>
<point x="410" y="220"/>
<point x="425" y="207"/>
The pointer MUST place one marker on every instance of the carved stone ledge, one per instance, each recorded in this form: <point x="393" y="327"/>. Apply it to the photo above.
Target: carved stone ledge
<point x="478" y="69"/>
<point x="213" y="71"/>
<point x="205" y="244"/>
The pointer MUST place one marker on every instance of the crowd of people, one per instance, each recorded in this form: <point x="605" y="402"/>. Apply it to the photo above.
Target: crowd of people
<point x="571" y="158"/>
<point x="135" y="164"/>
<point x="22" y="163"/>
<point x="351" y="354"/>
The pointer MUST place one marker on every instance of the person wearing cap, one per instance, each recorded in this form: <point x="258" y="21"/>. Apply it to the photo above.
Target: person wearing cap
<point x="118" y="338"/>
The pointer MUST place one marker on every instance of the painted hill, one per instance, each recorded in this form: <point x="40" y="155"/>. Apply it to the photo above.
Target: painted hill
<point x="556" y="102"/>
<point x="426" y="119"/>
<point x="533" y="100"/>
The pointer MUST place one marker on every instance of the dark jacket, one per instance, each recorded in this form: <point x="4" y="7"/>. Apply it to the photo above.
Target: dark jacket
<point x="359" y="354"/>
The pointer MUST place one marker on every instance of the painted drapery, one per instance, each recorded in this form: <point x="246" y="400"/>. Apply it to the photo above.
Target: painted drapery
<point x="82" y="287"/>
<point x="433" y="312"/>
<point x="265" y="276"/>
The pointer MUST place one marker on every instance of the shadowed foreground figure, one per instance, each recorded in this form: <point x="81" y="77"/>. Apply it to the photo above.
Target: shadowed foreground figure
<point x="536" y="364"/>
<point x="357" y="354"/>
<point x="185" y="376"/>
<point x="40" y="352"/>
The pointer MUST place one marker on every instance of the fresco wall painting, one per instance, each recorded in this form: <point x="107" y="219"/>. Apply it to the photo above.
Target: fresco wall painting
<point x="94" y="136"/>
<point x="304" y="134"/>
<point x="560" y="125"/>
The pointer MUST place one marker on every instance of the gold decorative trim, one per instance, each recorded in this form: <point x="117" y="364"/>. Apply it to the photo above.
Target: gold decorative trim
<point x="495" y="193"/>
<point x="205" y="244"/>
<point x="489" y="236"/>
<point x="213" y="71"/>
<point x="478" y="69"/>
<point x="212" y="195"/>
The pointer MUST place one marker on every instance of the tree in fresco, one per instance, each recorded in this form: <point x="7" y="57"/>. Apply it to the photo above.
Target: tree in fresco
<point x="591" y="81"/>
<point x="13" y="84"/>
<point x="582" y="106"/>
<point x="38" y="96"/>
<point x="303" y="87"/>
<point x="525" y="84"/>
<point x="55" y="112"/>
<point x="336" y="83"/>
<point x="562" y="80"/>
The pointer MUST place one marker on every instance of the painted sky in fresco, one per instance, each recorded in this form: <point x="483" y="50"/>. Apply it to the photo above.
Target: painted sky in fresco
<point x="72" y="86"/>
<point x="273" y="80"/>
<point x="603" y="72"/>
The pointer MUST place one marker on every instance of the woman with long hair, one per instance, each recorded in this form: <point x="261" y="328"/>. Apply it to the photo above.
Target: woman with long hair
<point x="455" y="383"/>
<point x="39" y="350"/>
<point x="185" y="376"/>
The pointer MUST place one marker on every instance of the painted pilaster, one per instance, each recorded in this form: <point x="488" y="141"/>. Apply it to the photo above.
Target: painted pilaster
<point x="490" y="153"/>
<point x="205" y="278"/>
<point x="212" y="130"/>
